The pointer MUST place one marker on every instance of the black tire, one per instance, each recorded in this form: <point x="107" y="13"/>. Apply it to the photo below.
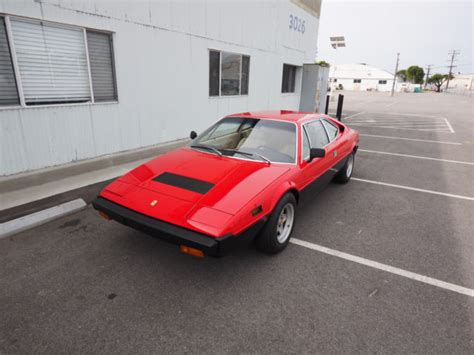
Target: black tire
<point x="345" y="174"/>
<point x="267" y="240"/>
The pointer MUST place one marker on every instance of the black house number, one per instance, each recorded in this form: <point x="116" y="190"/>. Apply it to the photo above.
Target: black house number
<point x="297" y="24"/>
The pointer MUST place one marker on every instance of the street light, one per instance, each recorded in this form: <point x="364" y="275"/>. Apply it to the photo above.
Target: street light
<point x="336" y="42"/>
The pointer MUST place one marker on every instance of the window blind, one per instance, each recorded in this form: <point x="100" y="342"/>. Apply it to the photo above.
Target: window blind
<point x="101" y="61"/>
<point x="52" y="62"/>
<point x="8" y="90"/>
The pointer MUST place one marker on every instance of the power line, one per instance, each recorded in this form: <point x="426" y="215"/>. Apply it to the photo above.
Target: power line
<point x="453" y="53"/>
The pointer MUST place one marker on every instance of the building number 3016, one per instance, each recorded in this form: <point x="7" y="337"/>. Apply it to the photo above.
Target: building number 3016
<point x="297" y="24"/>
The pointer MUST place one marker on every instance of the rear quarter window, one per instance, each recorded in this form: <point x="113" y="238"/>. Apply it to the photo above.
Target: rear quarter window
<point x="331" y="128"/>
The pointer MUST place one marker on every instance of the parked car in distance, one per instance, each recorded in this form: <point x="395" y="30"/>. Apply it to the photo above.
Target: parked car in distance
<point x="239" y="180"/>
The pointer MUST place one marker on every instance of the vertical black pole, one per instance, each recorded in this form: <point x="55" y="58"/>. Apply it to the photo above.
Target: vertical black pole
<point x="340" y="102"/>
<point x="327" y="105"/>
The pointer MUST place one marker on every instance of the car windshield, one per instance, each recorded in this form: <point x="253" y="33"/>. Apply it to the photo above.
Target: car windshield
<point x="250" y="138"/>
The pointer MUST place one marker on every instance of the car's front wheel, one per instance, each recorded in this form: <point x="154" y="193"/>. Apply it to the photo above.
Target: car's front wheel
<point x="344" y="175"/>
<point x="276" y="234"/>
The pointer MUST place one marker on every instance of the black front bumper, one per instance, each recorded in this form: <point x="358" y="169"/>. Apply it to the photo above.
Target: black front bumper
<point x="175" y="234"/>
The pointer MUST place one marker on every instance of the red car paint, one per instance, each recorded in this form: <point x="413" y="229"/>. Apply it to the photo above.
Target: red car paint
<point x="240" y="185"/>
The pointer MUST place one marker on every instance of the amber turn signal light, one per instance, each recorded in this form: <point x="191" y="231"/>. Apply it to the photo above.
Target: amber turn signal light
<point x="104" y="215"/>
<point x="191" y="251"/>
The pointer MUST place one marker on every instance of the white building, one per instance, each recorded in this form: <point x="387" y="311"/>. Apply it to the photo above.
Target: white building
<point x="360" y="77"/>
<point x="462" y="82"/>
<point x="82" y="79"/>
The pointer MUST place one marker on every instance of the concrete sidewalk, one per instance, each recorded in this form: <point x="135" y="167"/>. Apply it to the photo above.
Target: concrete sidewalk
<point x="26" y="193"/>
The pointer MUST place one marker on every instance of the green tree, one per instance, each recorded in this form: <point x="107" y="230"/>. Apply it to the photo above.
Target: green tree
<point x="438" y="80"/>
<point x="415" y="74"/>
<point x="402" y="75"/>
<point x="323" y="63"/>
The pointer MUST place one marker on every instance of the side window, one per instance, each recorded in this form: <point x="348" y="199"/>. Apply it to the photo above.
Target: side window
<point x="332" y="129"/>
<point x="305" y="147"/>
<point x="317" y="134"/>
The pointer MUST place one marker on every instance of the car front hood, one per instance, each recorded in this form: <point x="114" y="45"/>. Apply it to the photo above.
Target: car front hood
<point x="185" y="181"/>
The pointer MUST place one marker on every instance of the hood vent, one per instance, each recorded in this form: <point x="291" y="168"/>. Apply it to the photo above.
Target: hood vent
<point x="183" y="182"/>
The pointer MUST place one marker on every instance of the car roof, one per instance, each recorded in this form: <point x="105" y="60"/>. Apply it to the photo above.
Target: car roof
<point x="283" y="115"/>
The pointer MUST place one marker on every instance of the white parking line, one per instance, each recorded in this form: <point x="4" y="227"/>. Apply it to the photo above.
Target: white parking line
<point x="393" y="270"/>
<point x="449" y="125"/>
<point x="402" y="128"/>
<point x="402" y="123"/>
<point x="355" y="115"/>
<point x="416" y="157"/>
<point x="415" y="189"/>
<point x="404" y="114"/>
<point x="407" y="139"/>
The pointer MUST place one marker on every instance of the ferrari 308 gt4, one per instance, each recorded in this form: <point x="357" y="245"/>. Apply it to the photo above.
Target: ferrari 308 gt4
<point x="239" y="180"/>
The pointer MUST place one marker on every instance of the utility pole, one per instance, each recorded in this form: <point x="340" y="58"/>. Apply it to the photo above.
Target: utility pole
<point x="395" y="74"/>
<point x="453" y="53"/>
<point x="428" y="68"/>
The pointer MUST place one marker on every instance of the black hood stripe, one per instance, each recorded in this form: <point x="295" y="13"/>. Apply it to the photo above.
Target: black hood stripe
<point x="184" y="182"/>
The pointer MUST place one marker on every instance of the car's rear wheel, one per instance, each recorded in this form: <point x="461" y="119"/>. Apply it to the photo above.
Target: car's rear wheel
<point x="276" y="234"/>
<point x="344" y="175"/>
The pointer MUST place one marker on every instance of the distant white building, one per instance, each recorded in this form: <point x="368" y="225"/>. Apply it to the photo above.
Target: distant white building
<point x="360" y="77"/>
<point x="462" y="82"/>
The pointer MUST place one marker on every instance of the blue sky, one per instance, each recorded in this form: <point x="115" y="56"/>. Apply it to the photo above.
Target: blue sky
<point x="422" y="31"/>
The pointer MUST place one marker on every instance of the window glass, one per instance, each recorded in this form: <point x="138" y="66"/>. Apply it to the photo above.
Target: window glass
<point x="253" y="138"/>
<point x="305" y="149"/>
<point x="245" y="75"/>
<point x="382" y="81"/>
<point x="214" y="73"/>
<point x="101" y="61"/>
<point x="288" y="80"/>
<point x="357" y="81"/>
<point x="331" y="128"/>
<point x="317" y="134"/>
<point x="230" y="81"/>
<point x="8" y="90"/>
<point x="231" y="71"/>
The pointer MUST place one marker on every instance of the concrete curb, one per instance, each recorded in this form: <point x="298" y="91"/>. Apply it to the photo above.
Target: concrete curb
<point x="42" y="176"/>
<point x="41" y="217"/>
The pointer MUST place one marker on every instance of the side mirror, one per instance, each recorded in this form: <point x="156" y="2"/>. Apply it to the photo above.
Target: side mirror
<point x="192" y="135"/>
<point x="316" y="153"/>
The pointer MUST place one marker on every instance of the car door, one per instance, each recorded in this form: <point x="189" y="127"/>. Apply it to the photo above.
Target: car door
<point x="334" y="150"/>
<point x="337" y="149"/>
<point x="316" y="172"/>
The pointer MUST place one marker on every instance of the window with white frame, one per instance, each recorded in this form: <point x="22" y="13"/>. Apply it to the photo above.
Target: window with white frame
<point x="8" y="89"/>
<point x="55" y="63"/>
<point x="228" y="73"/>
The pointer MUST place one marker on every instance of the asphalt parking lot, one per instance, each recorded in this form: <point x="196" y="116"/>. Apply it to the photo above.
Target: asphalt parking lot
<point x="386" y="262"/>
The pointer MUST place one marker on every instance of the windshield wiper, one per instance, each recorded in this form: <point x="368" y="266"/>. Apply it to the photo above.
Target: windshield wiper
<point x="248" y="154"/>
<point x="263" y="158"/>
<point x="208" y="147"/>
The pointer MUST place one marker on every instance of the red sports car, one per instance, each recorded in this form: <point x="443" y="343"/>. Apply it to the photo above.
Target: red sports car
<point x="241" y="179"/>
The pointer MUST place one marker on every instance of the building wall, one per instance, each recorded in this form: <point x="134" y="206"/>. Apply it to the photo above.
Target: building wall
<point x="462" y="82"/>
<point x="162" y="63"/>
